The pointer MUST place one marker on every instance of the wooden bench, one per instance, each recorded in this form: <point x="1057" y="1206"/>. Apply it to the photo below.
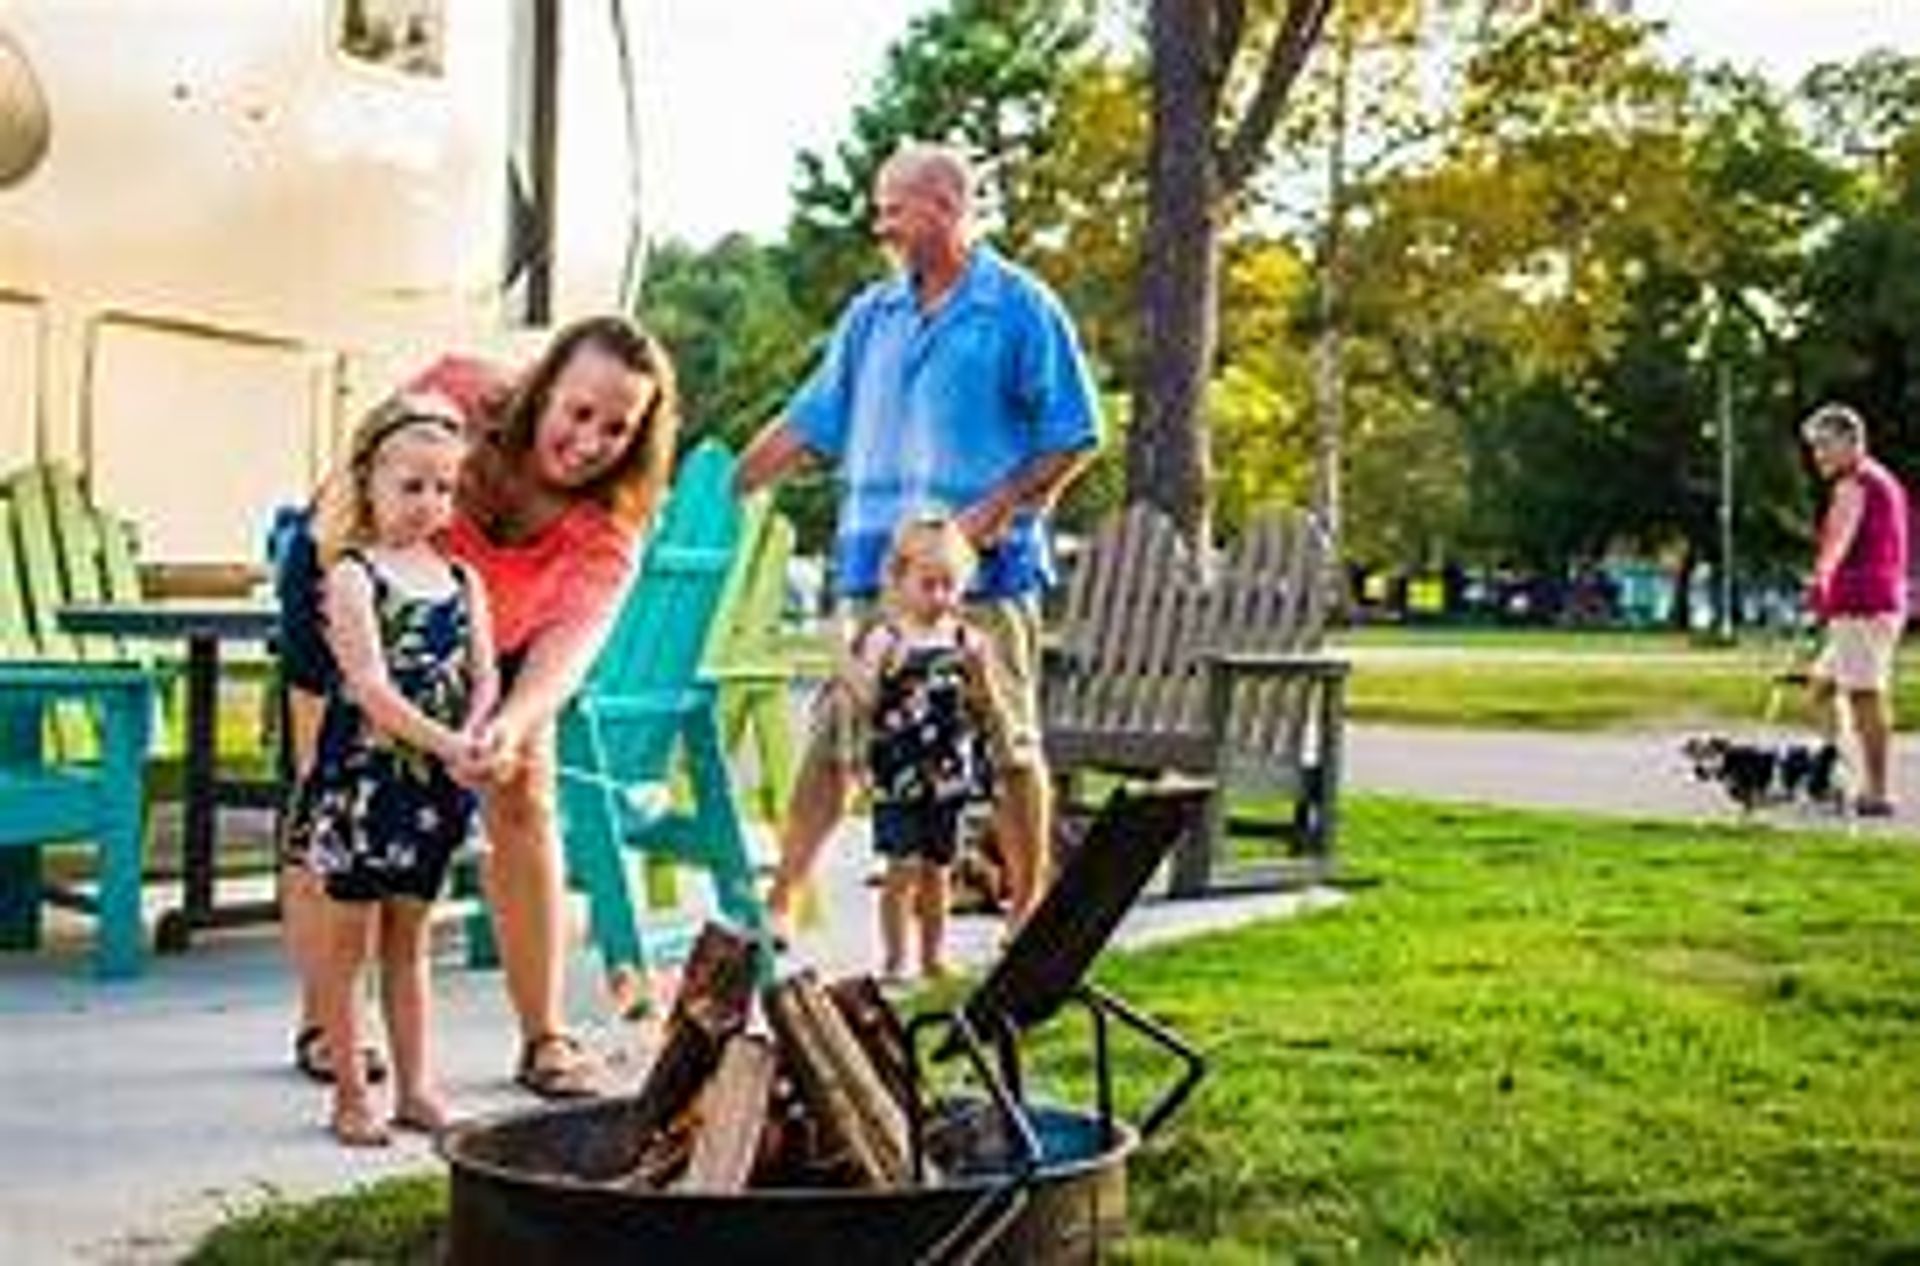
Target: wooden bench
<point x="1161" y="667"/>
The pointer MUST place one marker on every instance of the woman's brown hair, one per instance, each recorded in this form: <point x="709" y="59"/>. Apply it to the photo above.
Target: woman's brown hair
<point x="633" y="487"/>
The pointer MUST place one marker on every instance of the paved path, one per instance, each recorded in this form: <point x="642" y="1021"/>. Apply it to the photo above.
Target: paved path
<point x="1639" y="773"/>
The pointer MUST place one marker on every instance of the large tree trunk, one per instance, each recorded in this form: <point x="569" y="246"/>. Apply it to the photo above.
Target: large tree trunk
<point x="1197" y="163"/>
<point x="1168" y="462"/>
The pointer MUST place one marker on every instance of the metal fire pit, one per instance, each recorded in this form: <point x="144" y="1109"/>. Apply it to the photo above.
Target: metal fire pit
<point x="503" y="1212"/>
<point x="1019" y="1181"/>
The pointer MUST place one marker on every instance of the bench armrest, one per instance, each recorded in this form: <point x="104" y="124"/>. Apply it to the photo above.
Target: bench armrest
<point x="1278" y="664"/>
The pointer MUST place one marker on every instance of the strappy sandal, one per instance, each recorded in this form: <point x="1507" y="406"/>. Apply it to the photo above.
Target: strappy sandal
<point x="576" y="1075"/>
<point x="427" y="1117"/>
<point x="308" y="1061"/>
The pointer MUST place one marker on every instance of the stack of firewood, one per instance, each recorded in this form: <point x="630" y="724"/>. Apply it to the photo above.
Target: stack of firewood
<point x="817" y="1095"/>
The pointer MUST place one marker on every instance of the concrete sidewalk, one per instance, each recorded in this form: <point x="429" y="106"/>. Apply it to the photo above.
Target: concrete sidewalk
<point x="135" y="1115"/>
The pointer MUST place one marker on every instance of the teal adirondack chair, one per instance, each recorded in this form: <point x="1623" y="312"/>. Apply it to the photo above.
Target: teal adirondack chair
<point x="44" y="800"/>
<point x="644" y="705"/>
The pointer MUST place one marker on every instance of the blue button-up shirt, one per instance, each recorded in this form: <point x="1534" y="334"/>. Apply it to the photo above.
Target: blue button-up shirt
<point x="917" y="411"/>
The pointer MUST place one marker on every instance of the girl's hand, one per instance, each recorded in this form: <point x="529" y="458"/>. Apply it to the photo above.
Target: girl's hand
<point x="499" y="749"/>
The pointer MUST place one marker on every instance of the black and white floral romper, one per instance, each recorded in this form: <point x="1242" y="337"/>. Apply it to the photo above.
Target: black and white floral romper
<point x="926" y="753"/>
<point x="374" y="817"/>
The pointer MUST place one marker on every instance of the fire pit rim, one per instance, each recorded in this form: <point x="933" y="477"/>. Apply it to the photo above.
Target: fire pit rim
<point x="1120" y="1147"/>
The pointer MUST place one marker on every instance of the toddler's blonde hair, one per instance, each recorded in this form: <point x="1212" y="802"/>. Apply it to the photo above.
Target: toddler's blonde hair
<point x="343" y="514"/>
<point x="928" y="533"/>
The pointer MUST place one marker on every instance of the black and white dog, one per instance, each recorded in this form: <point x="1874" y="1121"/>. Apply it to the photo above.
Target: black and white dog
<point x="1759" y="774"/>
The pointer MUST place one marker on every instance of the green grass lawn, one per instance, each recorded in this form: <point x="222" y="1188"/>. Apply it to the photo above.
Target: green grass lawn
<point x="1536" y="1037"/>
<point x="1552" y="680"/>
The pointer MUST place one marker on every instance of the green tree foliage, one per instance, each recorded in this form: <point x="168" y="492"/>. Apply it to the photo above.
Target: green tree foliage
<point x="737" y="339"/>
<point x="741" y="346"/>
<point x="989" y="75"/>
<point x="1862" y="286"/>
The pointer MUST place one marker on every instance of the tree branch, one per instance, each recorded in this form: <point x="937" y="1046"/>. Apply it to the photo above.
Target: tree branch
<point x="1229" y="26"/>
<point x="1299" y="30"/>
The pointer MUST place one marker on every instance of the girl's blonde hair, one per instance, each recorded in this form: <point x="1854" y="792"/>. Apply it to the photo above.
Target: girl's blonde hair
<point x="923" y="533"/>
<point x="343" y="513"/>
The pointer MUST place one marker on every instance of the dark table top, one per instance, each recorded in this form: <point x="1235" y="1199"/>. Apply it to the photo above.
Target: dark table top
<point x="230" y="619"/>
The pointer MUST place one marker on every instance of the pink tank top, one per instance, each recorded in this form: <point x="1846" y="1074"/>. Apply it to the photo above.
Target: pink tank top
<point x="1872" y="577"/>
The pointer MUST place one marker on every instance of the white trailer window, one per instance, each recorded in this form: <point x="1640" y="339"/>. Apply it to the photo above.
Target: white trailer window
<point x="408" y="36"/>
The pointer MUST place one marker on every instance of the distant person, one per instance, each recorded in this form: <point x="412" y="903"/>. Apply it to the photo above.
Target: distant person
<point x="379" y="814"/>
<point x="920" y="674"/>
<point x="1859" y="590"/>
<point x="957" y="382"/>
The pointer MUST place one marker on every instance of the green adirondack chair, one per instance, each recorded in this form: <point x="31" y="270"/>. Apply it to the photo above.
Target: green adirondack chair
<point x="644" y="706"/>
<point x="744" y="656"/>
<point x="44" y="800"/>
<point x="55" y="548"/>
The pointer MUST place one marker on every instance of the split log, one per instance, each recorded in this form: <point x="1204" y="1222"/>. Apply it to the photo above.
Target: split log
<point x="732" y="1115"/>
<point x="842" y="1091"/>
<point x="716" y="995"/>
<point x="876" y="1026"/>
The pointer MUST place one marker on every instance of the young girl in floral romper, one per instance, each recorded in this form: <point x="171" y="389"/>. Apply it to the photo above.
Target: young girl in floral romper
<point x="922" y="671"/>
<point x="380" y="813"/>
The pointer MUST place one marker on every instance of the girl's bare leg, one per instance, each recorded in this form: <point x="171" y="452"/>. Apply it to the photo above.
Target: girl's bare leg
<point x="354" y="1121"/>
<point x="932" y="893"/>
<point x="407" y="991"/>
<point x="896" y="899"/>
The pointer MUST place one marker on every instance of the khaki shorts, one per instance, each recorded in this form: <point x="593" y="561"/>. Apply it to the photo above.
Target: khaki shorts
<point x="838" y="726"/>
<point x="1858" y="654"/>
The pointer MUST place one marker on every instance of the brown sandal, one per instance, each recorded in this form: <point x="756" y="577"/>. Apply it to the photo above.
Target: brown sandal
<point x="313" y="1060"/>
<point x="425" y="1116"/>
<point x="575" y="1074"/>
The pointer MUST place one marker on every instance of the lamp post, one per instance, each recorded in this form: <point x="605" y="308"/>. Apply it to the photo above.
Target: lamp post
<point x="1723" y="608"/>
<point x="1771" y="322"/>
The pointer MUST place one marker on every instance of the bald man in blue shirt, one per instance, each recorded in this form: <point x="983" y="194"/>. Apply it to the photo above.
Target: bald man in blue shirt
<point x="956" y="383"/>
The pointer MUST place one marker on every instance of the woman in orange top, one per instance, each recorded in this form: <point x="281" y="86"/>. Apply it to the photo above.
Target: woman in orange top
<point x="564" y="470"/>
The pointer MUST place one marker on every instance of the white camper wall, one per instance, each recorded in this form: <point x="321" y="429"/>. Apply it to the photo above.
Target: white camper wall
<point x="229" y="205"/>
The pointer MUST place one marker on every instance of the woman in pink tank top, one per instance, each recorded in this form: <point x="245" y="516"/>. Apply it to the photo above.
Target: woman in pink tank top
<point x="1860" y="590"/>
